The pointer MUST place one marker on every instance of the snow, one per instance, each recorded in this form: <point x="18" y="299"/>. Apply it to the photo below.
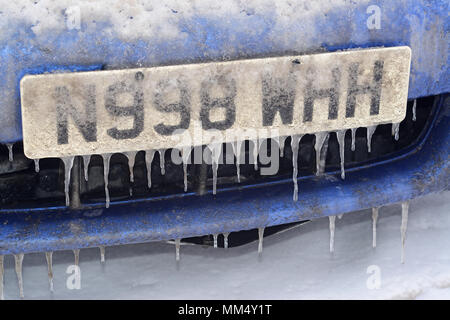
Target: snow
<point x="295" y="264"/>
<point x="138" y="19"/>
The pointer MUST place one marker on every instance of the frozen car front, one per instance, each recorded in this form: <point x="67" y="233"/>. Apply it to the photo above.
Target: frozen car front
<point x="141" y="122"/>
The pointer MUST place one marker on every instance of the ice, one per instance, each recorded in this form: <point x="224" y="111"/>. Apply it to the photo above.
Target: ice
<point x="340" y="216"/>
<point x="86" y="161"/>
<point x="320" y="139"/>
<point x="215" y="239"/>
<point x="374" y="226"/>
<point x="68" y="163"/>
<point x="353" y="130"/>
<point x="177" y="249"/>
<point x="237" y="146"/>
<point x="281" y="142"/>
<point x="102" y="254"/>
<point x="414" y="110"/>
<point x="18" y="259"/>
<point x="185" y="154"/>
<point x="106" y="159"/>
<point x="49" y="258"/>
<point x="332" y="228"/>
<point x="370" y="132"/>
<point x="323" y="155"/>
<point x="214" y="168"/>
<point x="225" y="239"/>
<point x="255" y="153"/>
<point x="215" y="156"/>
<point x="10" y="151"/>
<point x="36" y="165"/>
<point x="341" y="140"/>
<point x="131" y="155"/>
<point x="260" y="240"/>
<point x="405" y="209"/>
<point x="162" y="153"/>
<point x="2" y="271"/>
<point x="149" y="155"/>
<point x="295" y="140"/>
<point x="76" y="255"/>
<point x="396" y="130"/>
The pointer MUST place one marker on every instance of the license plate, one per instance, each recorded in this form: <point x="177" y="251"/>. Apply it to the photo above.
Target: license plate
<point x="103" y="112"/>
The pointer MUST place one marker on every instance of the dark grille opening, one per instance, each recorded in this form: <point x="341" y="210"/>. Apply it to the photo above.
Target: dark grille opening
<point x="22" y="187"/>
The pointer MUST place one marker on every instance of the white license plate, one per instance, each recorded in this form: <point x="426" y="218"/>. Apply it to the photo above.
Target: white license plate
<point x="112" y="111"/>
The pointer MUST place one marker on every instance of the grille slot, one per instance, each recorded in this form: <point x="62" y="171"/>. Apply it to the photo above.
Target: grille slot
<point x="21" y="187"/>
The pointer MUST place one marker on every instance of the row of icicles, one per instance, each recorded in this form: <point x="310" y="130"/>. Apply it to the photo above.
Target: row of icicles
<point x="18" y="258"/>
<point x="320" y="139"/>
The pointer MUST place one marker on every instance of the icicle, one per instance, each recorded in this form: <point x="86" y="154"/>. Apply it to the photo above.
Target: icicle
<point x="2" y="271"/>
<point x="225" y="239"/>
<point x="370" y="132"/>
<point x="149" y="154"/>
<point x="405" y="209"/>
<point x="76" y="254"/>
<point x="396" y="130"/>
<point x="295" y="140"/>
<point x="86" y="161"/>
<point x="374" y="226"/>
<point x="10" y="151"/>
<point x="282" y="140"/>
<point x="177" y="249"/>
<point x="215" y="155"/>
<point x="36" y="165"/>
<point x="49" y="258"/>
<point x="237" y="146"/>
<point x="340" y="216"/>
<point x="323" y="155"/>
<point x="255" y="153"/>
<point x="214" y="168"/>
<point x="18" y="259"/>
<point x="260" y="239"/>
<point x="341" y="140"/>
<point x="353" y="130"/>
<point x="131" y="155"/>
<point x="102" y="254"/>
<point x="185" y="176"/>
<point x="185" y="154"/>
<point x="106" y="160"/>
<point x="414" y="110"/>
<point x="215" y="239"/>
<point x="332" y="228"/>
<point x="68" y="163"/>
<point x="162" y="161"/>
<point x="320" y="139"/>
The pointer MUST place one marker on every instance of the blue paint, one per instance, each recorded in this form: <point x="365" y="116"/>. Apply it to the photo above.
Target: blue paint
<point x="420" y="172"/>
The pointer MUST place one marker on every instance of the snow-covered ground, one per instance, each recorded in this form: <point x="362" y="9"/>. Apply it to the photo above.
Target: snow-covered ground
<point x="295" y="264"/>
